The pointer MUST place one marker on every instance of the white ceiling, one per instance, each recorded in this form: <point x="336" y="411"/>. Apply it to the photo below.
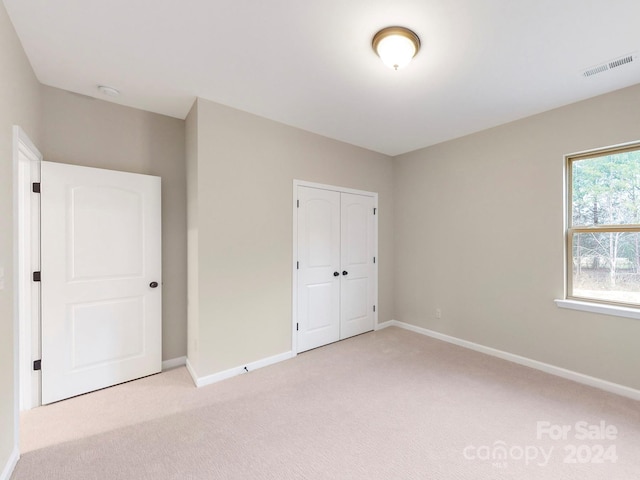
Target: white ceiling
<point x="310" y="64"/>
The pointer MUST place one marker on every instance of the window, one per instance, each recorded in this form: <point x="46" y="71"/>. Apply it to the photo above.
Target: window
<point x="603" y="220"/>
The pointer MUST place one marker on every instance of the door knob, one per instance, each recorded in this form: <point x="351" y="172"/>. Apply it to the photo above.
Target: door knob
<point x="335" y="274"/>
<point x="153" y="284"/>
<point x="344" y="272"/>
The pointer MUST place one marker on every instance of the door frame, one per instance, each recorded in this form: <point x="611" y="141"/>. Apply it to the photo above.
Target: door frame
<point x="26" y="165"/>
<point x="294" y="263"/>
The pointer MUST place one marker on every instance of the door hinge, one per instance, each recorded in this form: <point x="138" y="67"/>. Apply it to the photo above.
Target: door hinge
<point x="374" y="259"/>
<point x="37" y="365"/>
<point x="374" y="210"/>
<point x="35" y="187"/>
<point x="297" y="327"/>
<point x="37" y="276"/>
<point x="297" y="265"/>
<point x="374" y="308"/>
<point x="298" y="203"/>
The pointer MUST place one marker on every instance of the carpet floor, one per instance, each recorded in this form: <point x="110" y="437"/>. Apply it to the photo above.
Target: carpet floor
<point x="385" y="405"/>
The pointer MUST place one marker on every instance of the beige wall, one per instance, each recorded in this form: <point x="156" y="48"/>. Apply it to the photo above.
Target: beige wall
<point x="246" y="166"/>
<point x="20" y="105"/>
<point x="479" y="224"/>
<point x="94" y="133"/>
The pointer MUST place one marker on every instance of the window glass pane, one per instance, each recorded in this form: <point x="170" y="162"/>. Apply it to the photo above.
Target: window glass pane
<point x="606" y="190"/>
<point x="606" y="266"/>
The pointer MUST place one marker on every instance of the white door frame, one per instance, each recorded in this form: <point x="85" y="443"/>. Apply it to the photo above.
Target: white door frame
<point x="294" y="263"/>
<point x="26" y="168"/>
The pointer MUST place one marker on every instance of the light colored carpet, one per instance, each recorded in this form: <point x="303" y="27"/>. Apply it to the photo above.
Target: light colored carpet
<point x="385" y="405"/>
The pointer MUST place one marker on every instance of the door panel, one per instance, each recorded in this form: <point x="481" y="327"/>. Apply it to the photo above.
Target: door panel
<point x="318" y="257"/>
<point x="320" y="311"/>
<point x="357" y="252"/>
<point x="356" y="217"/>
<point x="107" y="320"/>
<point x="321" y="232"/>
<point x="101" y="249"/>
<point x="104" y="219"/>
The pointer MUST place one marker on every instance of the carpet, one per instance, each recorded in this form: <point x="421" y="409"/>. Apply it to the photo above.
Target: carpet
<point x="390" y="404"/>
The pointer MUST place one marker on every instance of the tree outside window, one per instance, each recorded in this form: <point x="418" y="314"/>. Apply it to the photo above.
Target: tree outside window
<point x="603" y="236"/>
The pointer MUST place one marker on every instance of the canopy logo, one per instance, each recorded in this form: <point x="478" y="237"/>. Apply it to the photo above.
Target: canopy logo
<point x="500" y="453"/>
<point x="581" y="446"/>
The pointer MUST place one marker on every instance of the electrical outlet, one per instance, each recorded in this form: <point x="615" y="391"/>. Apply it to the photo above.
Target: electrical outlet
<point x="438" y="314"/>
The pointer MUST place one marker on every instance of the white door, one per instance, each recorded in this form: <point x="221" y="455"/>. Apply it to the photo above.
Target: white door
<point x="101" y="276"/>
<point x="318" y="267"/>
<point x="358" y="268"/>
<point x="335" y="265"/>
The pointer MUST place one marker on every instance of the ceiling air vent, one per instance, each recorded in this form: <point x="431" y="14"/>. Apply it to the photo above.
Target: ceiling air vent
<point x="611" y="64"/>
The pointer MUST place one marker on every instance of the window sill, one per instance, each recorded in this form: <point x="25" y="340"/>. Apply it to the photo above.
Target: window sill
<point x="602" y="308"/>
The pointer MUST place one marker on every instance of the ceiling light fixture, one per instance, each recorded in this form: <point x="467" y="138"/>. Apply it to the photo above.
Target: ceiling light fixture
<point x="396" y="46"/>
<point x="109" y="91"/>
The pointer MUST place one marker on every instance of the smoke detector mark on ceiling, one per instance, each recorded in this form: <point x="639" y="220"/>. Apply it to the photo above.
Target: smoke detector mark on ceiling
<point x="611" y="64"/>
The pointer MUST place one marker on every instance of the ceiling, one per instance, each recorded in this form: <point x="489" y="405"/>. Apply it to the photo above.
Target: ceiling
<point x="309" y="64"/>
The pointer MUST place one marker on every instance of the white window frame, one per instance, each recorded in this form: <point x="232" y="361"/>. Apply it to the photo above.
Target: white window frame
<point x="571" y="301"/>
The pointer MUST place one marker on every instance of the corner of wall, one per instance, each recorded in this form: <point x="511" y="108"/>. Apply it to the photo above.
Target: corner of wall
<point x="191" y="155"/>
<point x="11" y="465"/>
<point x="21" y="105"/>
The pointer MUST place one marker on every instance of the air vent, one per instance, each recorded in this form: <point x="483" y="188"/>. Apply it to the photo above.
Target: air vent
<point x="611" y="64"/>
<point x="621" y="61"/>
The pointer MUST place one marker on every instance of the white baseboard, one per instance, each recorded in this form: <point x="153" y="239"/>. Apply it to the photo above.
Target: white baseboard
<point x="192" y="372"/>
<point x="616" y="388"/>
<point x="232" y="372"/>
<point x="173" y="363"/>
<point x="11" y="464"/>
<point x="388" y="323"/>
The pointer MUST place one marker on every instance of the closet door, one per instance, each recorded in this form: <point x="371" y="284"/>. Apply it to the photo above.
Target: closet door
<point x="318" y="267"/>
<point x="357" y="273"/>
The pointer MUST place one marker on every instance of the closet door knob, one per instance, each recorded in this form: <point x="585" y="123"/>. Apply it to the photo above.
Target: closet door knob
<point x="344" y="272"/>
<point x="153" y="284"/>
<point x="335" y="274"/>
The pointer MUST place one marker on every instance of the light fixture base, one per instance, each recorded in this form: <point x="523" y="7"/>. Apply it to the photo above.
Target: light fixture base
<point x="109" y="91"/>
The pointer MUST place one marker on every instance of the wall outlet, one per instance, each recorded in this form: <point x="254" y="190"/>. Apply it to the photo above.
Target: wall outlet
<point x="438" y="314"/>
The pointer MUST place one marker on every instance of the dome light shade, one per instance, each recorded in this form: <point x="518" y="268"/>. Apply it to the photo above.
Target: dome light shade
<point x="396" y="46"/>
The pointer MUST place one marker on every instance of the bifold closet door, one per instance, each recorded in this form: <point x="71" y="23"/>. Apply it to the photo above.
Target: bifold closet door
<point x="336" y="270"/>
<point x="357" y="284"/>
<point x="318" y="267"/>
